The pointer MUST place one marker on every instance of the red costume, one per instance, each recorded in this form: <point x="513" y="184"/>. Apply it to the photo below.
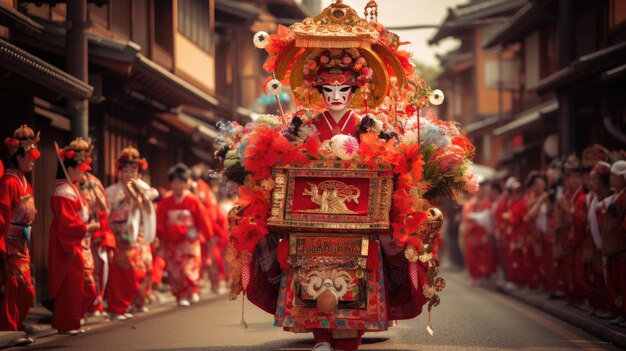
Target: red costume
<point x="66" y="260"/>
<point x="518" y="235"/>
<point x="613" y="228"/>
<point x="328" y="128"/>
<point x="480" y="256"/>
<point x="181" y="227"/>
<point x="101" y="241"/>
<point x="17" y="213"/>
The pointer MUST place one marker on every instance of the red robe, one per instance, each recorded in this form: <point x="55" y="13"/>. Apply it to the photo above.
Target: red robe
<point x="66" y="263"/>
<point x="327" y="127"/>
<point x="180" y="226"/>
<point x="100" y="242"/>
<point x="212" y="252"/>
<point x="613" y="228"/>
<point x="17" y="213"/>
<point x="479" y="246"/>
<point x="518" y="234"/>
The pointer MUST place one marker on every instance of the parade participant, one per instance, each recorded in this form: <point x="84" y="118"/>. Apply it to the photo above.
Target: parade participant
<point x="536" y="219"/>
<point x="567" y="232"/>
<point x="479" y="247"/>
<point x="211" y="255"/>
<point x="73" y="293"/>
<point x="311" y="241"/>
<point x="517" y="236"/>
<point x="102" y="241"/>
<point x="502" y="222"/>
<point x="613" y="230"/>
<point x="596" y="273"/>
<point x="181" y="227"/>
<point x="17" y="214"/>
<point x="146" y="252"/>
<point x="132" y="220"/>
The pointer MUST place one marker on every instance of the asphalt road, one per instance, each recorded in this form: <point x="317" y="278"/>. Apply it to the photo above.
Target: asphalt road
<point x="469" y="318"/>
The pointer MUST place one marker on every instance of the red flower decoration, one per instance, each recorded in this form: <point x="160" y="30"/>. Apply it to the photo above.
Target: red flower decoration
<point x="89" y="160"/>
<point x="464" y="143"/>
<point x="69" y="154"/>
<point x="376" y="151"/>
<point x="143" y="165"/>
<point x="248" y="234"/>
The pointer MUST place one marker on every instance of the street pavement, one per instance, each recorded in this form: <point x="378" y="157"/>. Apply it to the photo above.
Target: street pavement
<point x="469" y="318"/>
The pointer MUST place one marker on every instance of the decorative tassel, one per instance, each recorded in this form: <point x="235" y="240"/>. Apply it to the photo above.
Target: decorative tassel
<point x="413" y="274"/>
<point x="245" y="276"/>
<point x="429" y="327"/>
<point x="243" y="323"/>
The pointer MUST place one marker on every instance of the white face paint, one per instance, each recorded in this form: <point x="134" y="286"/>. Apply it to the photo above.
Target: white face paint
<point x="337" y="98"/>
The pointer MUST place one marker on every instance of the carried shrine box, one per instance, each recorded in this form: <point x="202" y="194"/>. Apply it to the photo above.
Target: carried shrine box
<point x="331" y="196"/>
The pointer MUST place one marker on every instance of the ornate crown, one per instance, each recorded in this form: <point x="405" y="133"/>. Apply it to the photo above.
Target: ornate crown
<point x="130" y="155"/>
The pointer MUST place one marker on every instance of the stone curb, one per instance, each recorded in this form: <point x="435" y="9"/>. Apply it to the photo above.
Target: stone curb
<point x="558" y="308"/>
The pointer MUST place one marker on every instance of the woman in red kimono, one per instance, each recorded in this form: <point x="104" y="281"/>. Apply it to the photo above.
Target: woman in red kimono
<point x="17" y="213"/>
<point x="574" y="194"/>
<point x="595" y="270"/>
<point x="181" y="227"/>
<point x="479" y="246"/>
<point x="132" y="220"/>
<point x="102" y="242"/>
<point x="536" y="221"/>
<point x="73" y="294"/>
<point x="613" y="229"/>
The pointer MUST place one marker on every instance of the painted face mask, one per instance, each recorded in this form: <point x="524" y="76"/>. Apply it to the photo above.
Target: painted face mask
<point x="337" y="97"/>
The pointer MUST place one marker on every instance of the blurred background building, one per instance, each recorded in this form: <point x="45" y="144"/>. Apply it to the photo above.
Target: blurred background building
<point x="532" y="80"/>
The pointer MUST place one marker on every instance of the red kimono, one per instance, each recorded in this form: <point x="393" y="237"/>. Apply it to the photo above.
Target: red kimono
<point x="101" y="241"/>
<point x="518" y="235"/>
<point x="211" y="250"/>
<point x="479" y="246"/>
<point x="327" y="127"/>
<point x="181" y="226"/>
<point x="613" y="228"/>
<point x="17" y="213"/>
<point x="66" y="260"/>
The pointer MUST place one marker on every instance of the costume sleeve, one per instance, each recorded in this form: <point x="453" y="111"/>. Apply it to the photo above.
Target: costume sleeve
<point x="161" y="216"/>
<point x="108" y="239"/>
<point x="70" y="228"/>
<point x="9" y="195"/>
<point x="201" y="220"/>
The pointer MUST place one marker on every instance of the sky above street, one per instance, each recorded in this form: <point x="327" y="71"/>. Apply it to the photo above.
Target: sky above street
<point x="392" y="13"/>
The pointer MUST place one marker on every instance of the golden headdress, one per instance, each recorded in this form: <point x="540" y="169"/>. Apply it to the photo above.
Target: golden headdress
<point x="337" y="38"/>
<point x="24" y="138"/>
<point x="80" y="151"/>
<point x="130" y="155"/>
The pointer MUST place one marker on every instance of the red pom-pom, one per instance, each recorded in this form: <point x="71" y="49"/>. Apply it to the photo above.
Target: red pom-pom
<point x="119" y="165"/>
<point x="34" y="154"/>
<point x="70" y="154"/>
<point x="89" y="160"/>
<point x="143" y="165"/>
<point x="84" y="167"/>
<point x="10" y="142"/>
